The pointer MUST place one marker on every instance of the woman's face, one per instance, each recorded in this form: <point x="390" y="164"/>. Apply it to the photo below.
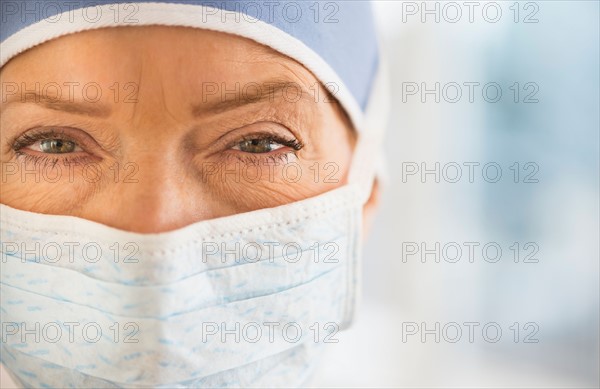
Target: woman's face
<point x="149" y="129"/>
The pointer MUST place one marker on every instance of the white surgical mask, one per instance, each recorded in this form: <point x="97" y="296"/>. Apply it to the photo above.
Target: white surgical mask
<point x="239" y="301"/>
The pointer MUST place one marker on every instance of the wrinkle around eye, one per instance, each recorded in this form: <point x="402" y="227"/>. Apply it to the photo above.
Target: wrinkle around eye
<point x="264" y="194"/>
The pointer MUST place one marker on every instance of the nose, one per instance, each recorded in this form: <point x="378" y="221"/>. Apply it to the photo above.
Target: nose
<point x="153" y="195"/>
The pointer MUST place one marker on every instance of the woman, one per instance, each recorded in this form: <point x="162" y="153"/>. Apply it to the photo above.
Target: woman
<point x="183" y="193"/>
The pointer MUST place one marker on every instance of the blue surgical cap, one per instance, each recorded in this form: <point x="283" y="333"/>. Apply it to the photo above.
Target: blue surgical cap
<point x="335" y="40"/>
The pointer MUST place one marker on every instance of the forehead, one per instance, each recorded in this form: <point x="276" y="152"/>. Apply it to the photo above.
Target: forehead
<point x="174" y="55"/>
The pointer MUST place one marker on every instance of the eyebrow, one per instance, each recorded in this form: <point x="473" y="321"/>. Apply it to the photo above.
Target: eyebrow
<point x="228" y="100"/>
<point x="233" y="99"/>
<point x="89" y="108"/>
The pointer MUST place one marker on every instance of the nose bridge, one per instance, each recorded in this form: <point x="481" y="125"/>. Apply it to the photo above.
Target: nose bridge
<point x="155" y="191"/>
<point x="151" y="197"/>
<point x="152" y="194"/>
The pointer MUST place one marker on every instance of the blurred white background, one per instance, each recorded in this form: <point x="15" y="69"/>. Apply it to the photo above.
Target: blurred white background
<point x="558" y="215"/>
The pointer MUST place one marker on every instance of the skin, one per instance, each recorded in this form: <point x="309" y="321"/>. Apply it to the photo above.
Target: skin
<point x="150" y="154"/>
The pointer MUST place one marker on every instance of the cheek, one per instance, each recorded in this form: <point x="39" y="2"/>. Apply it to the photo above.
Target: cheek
<point x="248" y="187"/>
<point x="40" y="190"/>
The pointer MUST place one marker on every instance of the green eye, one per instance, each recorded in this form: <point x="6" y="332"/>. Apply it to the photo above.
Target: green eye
<point x="257" y="146"/>
<point x="57" y="146"/>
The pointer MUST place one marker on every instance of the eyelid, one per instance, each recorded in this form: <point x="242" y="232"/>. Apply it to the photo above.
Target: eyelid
<point x="257" y="130"/>
<point x="32" y="135"/>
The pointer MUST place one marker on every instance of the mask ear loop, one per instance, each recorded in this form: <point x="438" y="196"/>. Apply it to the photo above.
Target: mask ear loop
<point x="368" y="160"/>
<point x="367" y="165"/>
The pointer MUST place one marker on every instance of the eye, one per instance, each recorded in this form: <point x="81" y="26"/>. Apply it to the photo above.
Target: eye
<point x="265" y="143"/>
<point x="257" y="145"/>
<point x="56" y="146"/>
<point x="53" y="144"/>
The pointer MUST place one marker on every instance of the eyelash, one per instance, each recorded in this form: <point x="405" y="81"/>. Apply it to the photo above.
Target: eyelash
<point x="276" y="156"/>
